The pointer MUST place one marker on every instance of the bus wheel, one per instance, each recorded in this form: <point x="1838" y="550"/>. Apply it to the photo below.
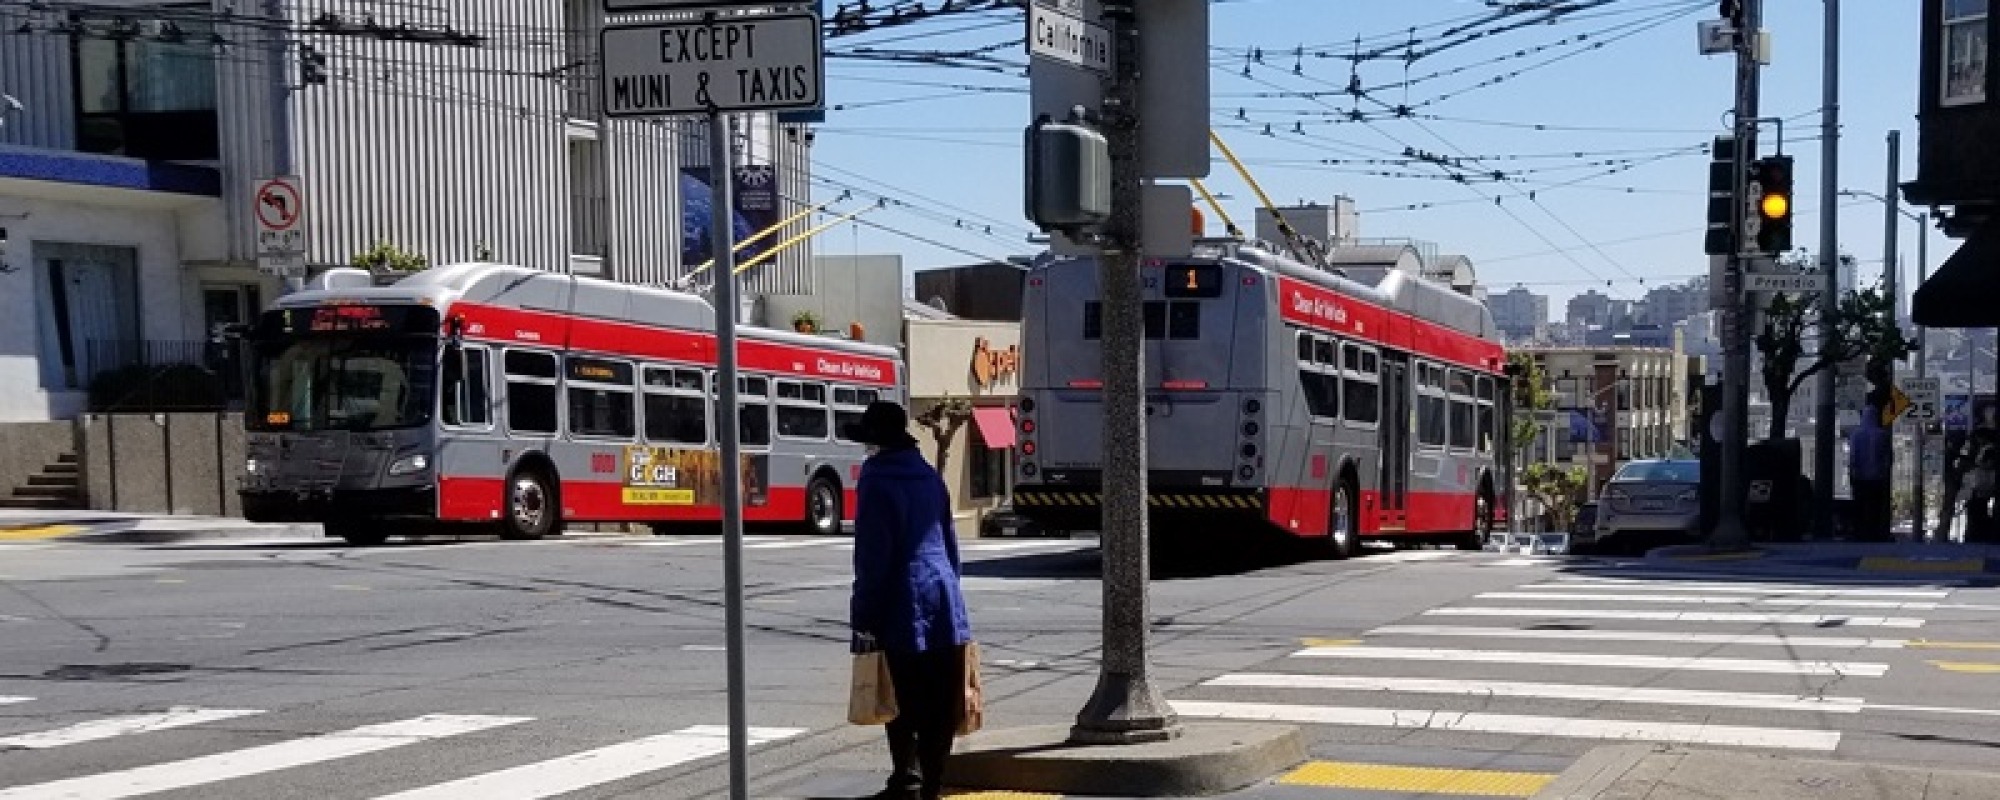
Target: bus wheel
<point x="1482" y="522"/>
<point x="1343" y="519"/>
<point x="823" y="506"/>
<point x="359" y="533"/>
<point x="531" y="507"/>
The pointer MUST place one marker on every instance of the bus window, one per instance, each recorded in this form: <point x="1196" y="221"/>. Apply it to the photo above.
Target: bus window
<point x="467" y="391"/>
<point x="848" y="405"/>
<point x="1486" y="414"/>
<point x="753" y="416"/>
<point x="1093" y="321"/>
<point x="1323" y="354"/>
<point x="1184" y="321"/>
<point x="1361" y="394"/>
<point x="802" y="410"/>
<point x="602" y="402"/>
<point x="1306" y="341"/>
<point x="1464" y="435"/>
<point x="1156" y="321"/>
<point x="676" y="412"/>
<point x="531" y="391"/>
<point x="1317" y="378"/>
<point x="1432" y="407"/>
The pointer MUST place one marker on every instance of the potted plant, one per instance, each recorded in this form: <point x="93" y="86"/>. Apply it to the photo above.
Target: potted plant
<point x="805" y="322"/>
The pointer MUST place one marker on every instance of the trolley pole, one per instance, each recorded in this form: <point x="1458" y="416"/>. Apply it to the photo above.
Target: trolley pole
<point x="1730" y="531"/>
<point x="723" y="246"/>
<point x="1125" y="708"/>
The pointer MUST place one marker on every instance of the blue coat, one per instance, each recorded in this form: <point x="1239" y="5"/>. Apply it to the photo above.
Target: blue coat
<point x="906" y="566"/>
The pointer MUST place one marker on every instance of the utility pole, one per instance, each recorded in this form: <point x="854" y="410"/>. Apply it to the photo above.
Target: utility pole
<point x="1730" y="531"/>
<point x="1923" y="367"/>
<point x="281" y="104"/>
<point x="1824" y="409"/>
<point x="1891" y="273"/>
<point x="1124" y="708"/>
<point x="722" y="238"/>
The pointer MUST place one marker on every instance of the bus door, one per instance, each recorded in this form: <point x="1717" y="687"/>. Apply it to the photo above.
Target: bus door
<point x="1395" y="433"/>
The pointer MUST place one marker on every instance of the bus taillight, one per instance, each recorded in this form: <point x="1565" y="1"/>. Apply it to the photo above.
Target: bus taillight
<point x="1027" y="426"/>
<point x="1027" y="447"/>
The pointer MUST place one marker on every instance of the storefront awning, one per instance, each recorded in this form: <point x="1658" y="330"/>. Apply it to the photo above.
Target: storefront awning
<point x="996" y="427"/>
<point x="1960" y="294"/>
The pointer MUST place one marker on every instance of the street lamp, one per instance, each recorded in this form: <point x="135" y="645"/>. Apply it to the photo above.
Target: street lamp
<point x="1917" y="527"/>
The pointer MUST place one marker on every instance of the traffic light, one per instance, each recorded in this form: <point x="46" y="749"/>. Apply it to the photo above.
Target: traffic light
<point x="1721" y="239"/>
<point x="1772" y="177"/>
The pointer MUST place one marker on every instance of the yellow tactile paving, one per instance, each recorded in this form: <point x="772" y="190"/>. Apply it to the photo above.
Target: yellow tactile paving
<point x="34" y="532"/>
<point x="1392" y="778"/>
<point x="1906" y="565"/>
<point x="989" y="795"/>
<point x="1974" y="667"/>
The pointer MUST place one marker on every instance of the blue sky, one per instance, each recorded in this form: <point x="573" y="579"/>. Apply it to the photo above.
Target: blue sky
<point x="1623" y="86"/>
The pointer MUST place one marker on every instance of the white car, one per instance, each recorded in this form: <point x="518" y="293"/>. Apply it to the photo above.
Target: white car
<point x="1651" y="502"/>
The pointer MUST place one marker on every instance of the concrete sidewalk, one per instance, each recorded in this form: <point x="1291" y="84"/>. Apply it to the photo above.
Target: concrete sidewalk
<point x="112" y="526"/>
<point x="1664" y="772"/>
<point x="1877" y="560"/>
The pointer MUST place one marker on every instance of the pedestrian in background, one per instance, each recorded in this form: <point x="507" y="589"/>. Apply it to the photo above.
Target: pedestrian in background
<point x="1954" y="479"/>
<point x="907" y="598"/>
<point x="1870" y="465"/>
<point x="1981" y="464"/>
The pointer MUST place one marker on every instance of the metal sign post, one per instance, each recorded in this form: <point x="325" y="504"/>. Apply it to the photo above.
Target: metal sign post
<point x="722" y="63"/>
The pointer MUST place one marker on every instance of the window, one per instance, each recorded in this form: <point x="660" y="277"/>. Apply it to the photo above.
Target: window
<point x="1464" y="415"/>
<point x="601" y="398"/>
<point x="1318" y="378"/>
<point x="802" y="410"/>
<point x="531" y="391"/>
<point x="987" y="469"/>
<point x="1486" y="415"/>
<point x="753" y="417"/>
<point x="145" y="93"/>
<point x="1156" y="321"/>
<point x="1161" y="320"/>
<point x="1093" y="320"/>
<point x="848" y="405"/>
<point x="1432" y="407"/>
<point x="1306" y="344"/>
<point x="466" y="387"/>
<point x="1361" y="395"/>
<point x="1964" y="56"/>
<point x="1184" y="320"/>
<point x="676" y="411"/>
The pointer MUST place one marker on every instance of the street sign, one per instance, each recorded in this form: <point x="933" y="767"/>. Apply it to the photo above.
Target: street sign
<point x="627" y="6"/>
<point x="277" y="209"/>
<point x="1925" y="398"/>
<point x="1957" y="412"/>
<point x="1070" y="40"/>
<point x="1898" y="404"/>
<point x="768" y="62"/>
<point x="1793" y="282"/>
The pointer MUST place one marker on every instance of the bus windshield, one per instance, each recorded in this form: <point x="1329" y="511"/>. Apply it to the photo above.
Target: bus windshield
<point x="358" y="383"/>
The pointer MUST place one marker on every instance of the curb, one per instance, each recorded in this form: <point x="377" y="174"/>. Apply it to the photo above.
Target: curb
<point x="1209" y="758"/>
<point x="1836" y="560"/>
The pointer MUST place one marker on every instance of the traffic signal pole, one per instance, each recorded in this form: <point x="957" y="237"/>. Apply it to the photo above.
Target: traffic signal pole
<point x="1824" y="410"/>
<point x="1730" y="531"/>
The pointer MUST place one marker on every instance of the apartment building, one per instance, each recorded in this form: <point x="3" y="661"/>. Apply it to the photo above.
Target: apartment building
<point x="132" y="134"/>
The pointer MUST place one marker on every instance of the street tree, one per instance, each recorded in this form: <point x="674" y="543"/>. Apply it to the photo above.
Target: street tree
<point x="1532" y="393"/>
<point x="1558" y="489"/>
<point x="388" y="258"/>
<point x="943" y="420"/>
<point x="1863" y="327"/>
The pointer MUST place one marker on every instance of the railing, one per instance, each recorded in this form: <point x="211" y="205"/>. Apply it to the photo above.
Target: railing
<point x="154" y="375"/>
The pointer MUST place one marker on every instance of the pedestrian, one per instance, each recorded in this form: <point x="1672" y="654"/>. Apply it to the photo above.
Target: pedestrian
<point x="907" y="598"/>
<point x="1954" y="478"/>
<point x="1870" y="465"/>
<point x="1980" y="464"/>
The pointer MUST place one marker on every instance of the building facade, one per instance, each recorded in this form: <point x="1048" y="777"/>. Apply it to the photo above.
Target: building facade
<point x="1522" y="315"/>
<point x="1615" y="404"/>
<point x="134" y="134"/>
<point x="971" y="367"/>
<point x="1958" y="169"/>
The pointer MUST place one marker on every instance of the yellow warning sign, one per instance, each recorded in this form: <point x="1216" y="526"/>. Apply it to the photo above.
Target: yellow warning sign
<point x="1899" y="404"/>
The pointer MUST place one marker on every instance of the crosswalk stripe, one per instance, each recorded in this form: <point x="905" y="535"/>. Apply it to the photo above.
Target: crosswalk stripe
<point x="1747" y="639"/>
<point x="1519" y="724"/>
<point x="1675" y="599"/>
<point x="257" y="760"/>
<point x="119" y="726"/>
<point x="1609" y="660"/>
<point x="1548" y="691"/>
<point x="12" y="700"/>
<point x="1683" y="616"/>
<point x="790" y="544"/>
<point x="1009" y="547"/>
<point x="1725" y="580"/>
<point x="580" y="771"/>
<point x="1599" y="585"/>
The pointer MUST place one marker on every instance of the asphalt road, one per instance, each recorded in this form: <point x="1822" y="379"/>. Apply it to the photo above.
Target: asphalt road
<point x="593" y="667"/>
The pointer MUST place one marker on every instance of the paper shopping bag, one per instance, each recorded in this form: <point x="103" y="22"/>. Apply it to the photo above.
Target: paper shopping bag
<point x="871" y="697"/>
<point x="973" y="716"/>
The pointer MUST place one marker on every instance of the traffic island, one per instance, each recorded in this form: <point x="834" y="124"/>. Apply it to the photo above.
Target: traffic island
<point x="1208" y="758"/>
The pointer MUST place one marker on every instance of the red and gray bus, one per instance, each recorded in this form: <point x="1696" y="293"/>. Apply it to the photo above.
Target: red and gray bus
<point x="1327" y="405"/>
<point x="518" y="400"/>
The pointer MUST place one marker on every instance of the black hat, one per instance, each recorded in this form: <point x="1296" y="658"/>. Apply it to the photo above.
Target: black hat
<point x="883" y="424"/>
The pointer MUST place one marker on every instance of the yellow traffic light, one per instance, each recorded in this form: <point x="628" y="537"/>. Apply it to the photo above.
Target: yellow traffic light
<point x="1775" y="205"/>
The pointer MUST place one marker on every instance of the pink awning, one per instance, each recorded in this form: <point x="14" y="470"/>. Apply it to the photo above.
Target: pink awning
<point x="996" y="427"/>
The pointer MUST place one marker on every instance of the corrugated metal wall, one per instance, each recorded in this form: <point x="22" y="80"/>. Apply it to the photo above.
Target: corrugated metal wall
<point x="35" y="69"/>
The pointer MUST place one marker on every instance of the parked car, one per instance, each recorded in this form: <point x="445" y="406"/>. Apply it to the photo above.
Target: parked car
<point x="1649" y="503"/>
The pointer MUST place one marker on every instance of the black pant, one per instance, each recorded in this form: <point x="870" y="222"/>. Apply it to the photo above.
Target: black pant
<point x="930" y="695"/>
<point x="1871" y="510"/>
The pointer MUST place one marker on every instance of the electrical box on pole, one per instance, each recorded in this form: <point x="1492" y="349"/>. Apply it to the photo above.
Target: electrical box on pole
<point x="1068" y="175"/>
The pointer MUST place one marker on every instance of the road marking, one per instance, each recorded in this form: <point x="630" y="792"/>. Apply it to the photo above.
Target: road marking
<point x="1746" y="639"/>
<point x="1609" y="660"/>
<point x="704" y="648"/>
<point x="1673" y="599"/>
<point x="1714" y="579"/>
<point x="1822" y="620"/>
<point x="1311" y="642"/>
<point x="1520" y="724"/>
<point x="1008" y="547"/>
<point x="1551" y="691"/>
<point x="1972" y="667"/>
<point x="170" y="580"/>
<point x="1596" y="585"/>
<point x="1987" y="712"/>
<point x="1907" y="565"/>
<point x="1417" y="780"/>
<point x="32" y="533"/>
<point x="580" y="771"/>
<point x="349" y="587"/>
<point x="790" y="544"/>
<point x="257" y="760"/>
<point x="1002" y="795"/>
<point x="95" y="730"/>
<point x="6" y="701"/>
<point x="1926" y="644"/>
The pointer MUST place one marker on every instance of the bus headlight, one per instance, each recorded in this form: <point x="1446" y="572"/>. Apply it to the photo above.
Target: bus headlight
<point x="410" y="464"/>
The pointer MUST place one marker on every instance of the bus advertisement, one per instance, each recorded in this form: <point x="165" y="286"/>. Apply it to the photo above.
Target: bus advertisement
<point x="519" y="400"/>
<point x="1329" y="406"/>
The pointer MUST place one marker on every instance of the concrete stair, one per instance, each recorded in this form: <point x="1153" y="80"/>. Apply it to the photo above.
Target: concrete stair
<point x="58" y="487"/>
